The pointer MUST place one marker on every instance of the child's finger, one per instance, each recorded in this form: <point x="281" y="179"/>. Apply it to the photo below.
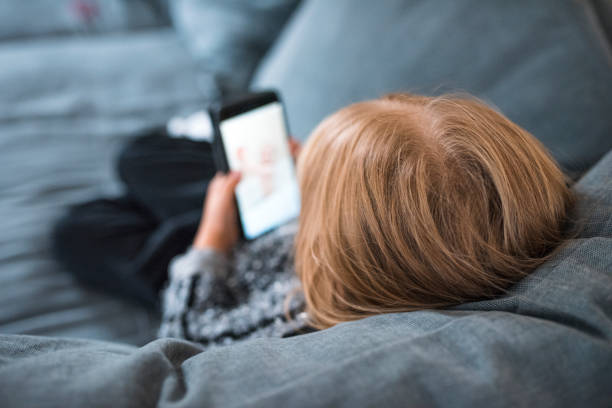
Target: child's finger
<point x="231" y="181"/>
<point x="294" y="147"/>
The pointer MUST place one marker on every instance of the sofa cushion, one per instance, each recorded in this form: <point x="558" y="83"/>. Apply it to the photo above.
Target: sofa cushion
<point x="228" y="38"/>
<point x="540" y="62"/>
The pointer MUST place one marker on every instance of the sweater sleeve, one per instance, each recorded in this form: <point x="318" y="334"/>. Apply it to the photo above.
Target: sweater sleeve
<point x="199" y="279"/>
<point x="216" y="300"/>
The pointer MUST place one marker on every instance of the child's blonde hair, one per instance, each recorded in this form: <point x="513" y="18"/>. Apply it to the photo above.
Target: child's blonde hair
<point x="413" y="202"/>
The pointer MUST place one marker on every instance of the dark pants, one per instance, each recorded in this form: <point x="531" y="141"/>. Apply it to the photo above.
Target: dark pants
<point x="124" y="245"/>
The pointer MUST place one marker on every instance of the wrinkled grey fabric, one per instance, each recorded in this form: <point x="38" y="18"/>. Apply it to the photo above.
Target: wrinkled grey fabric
<point x="547" y="343"/>
<point x="541" y="62"/>
<point x="66" y="106"/>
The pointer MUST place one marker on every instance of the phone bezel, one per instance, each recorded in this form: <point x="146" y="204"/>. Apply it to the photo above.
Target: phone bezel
<point x="229" y="109"/>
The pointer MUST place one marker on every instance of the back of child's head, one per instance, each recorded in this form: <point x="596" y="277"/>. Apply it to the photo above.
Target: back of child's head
<point x="411" y="202"/>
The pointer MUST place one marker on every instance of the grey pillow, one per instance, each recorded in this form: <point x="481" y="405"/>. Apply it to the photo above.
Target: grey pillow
<point x="540" y="62"/>
<point x="227" y="38"/>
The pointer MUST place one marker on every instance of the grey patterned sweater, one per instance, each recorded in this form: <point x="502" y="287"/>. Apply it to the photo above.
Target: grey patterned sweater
<point x="218" y="300"/>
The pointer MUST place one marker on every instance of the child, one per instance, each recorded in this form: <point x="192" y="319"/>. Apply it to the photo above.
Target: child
<point x="408" y="202"/>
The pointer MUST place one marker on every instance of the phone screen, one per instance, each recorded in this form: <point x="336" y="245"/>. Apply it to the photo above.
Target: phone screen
<point x="256" y="145"/>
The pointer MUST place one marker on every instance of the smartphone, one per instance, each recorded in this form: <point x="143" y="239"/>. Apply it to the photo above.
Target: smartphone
<point x="251" y="136"/>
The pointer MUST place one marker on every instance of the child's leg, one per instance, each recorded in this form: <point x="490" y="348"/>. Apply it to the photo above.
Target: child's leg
<point x="124" y="245"/>
<point x="97" y="242"/>
<point x="168" y="176"/>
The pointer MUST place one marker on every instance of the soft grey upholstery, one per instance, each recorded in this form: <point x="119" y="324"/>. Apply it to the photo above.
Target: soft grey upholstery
<point x="548" y="343"/>
<point x="66" y="105"/>
<point x="541" y="62"/>
<point x="228" y="38"/>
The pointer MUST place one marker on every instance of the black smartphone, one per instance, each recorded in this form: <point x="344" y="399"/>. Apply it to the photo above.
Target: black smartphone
<point x="251" y="136"/>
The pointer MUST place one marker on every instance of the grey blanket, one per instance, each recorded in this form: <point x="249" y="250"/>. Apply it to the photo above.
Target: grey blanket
<point x="548" y="343"/>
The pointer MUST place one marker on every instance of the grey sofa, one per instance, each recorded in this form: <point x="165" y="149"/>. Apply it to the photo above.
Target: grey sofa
<point x="69" y="99"/>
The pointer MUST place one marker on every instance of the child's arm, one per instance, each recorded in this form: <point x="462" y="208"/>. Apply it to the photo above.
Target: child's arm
<point x="218" y="228"/>
<point x="206" y="302"/>
<point x="199" y="280"/>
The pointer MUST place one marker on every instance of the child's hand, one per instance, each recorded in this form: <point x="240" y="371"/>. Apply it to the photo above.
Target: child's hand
<point x="219" y="223"/>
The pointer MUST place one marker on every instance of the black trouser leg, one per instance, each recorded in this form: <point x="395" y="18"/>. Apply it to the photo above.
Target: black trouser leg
<point x="168" y="176"/>
<point x="97" y="242"/>
<point x="124" y="245"/>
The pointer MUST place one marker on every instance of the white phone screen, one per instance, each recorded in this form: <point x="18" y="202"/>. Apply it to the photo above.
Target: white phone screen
<point x="256" y="145"/>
